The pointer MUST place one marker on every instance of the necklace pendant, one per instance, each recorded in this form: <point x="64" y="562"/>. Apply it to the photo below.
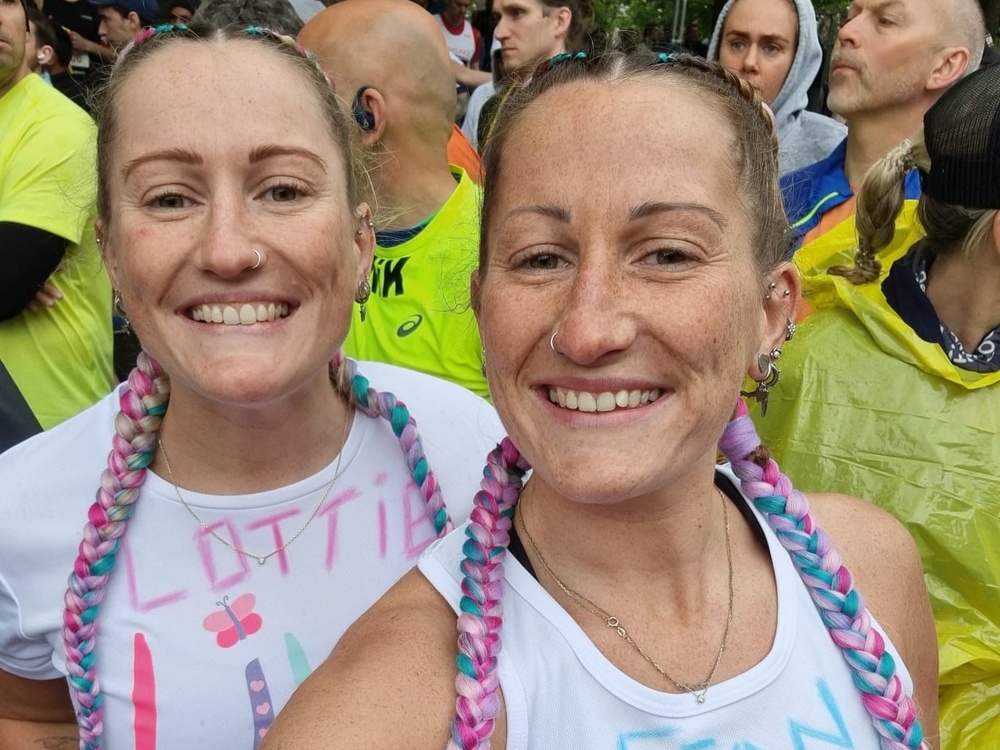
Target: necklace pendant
<point x="700" y="697"/>
<point x="261" y="560"/>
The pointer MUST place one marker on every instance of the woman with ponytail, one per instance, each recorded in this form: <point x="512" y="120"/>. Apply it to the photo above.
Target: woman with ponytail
<point x="614" y="586"/>
<point x="261" y="491"/>
<point x="896" y="385"/>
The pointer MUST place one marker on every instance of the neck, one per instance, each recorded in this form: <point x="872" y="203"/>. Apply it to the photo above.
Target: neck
<point x="21" y="73"/>
<point x="222" y="449"/>
<point x="963" y="292"/>
<point x="412" y="184"/>
<point x="673" y="543"/>
<point x="872" y="136"/>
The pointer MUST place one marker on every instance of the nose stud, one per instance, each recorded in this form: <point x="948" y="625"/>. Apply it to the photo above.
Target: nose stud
<point x="256" y="265"/>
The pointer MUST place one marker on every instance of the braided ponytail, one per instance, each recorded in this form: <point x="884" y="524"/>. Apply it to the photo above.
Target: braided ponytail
<point x="880" y="199"/>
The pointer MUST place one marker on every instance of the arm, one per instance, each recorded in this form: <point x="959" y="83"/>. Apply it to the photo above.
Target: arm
<point x="36" y="715"/>
<point x="82" y="44"/>
<point x="30" y="256"/>
<point x="390" y="681"/>
<point x="886" y="565"/>
<point x="469" y="78"/>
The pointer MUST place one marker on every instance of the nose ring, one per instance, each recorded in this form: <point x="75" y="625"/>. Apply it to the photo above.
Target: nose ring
<point x="256" y="265"/>
<point x="552" y="342"/>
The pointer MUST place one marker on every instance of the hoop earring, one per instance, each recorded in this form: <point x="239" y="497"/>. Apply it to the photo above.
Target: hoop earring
<point x="362" y="297"/>
<point x="760" y="394"/>
<point x="116" y="304"/>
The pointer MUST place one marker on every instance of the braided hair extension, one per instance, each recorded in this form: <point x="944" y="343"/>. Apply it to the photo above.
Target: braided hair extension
<point x="143" y="404"/>
<point x="840" y="605"/>
<point x="145" y="397"/>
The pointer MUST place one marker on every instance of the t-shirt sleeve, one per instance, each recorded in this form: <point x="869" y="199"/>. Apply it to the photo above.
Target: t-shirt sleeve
<point x="48" y="181"/>
<point x="21" y="655"/>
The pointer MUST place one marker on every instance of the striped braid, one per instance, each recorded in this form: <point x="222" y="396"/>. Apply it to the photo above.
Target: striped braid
<point x="143" y="404"/>
<point x="480" y="623"/>
<point x="840" y="604"/>
<point x="357" y="388"/>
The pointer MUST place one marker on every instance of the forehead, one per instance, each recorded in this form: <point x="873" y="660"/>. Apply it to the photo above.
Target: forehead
<point x="776" y="16"/>
<point x="203" y="89"/>
<point x="607" y="146"/>
<point x="500" y="6"/>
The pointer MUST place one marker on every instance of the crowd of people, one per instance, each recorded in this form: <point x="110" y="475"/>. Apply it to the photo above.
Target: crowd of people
<point x="283" y="276"/>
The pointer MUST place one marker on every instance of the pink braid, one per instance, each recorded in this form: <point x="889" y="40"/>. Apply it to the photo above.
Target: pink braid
<point x="481" y="621"/>
<point x="831" y="585"/>
<point x="143" y="403"/>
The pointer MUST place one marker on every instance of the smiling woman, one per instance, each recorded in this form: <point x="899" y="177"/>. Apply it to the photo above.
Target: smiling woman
<point x="232" y="230"/>
<point x="628" y="588"/>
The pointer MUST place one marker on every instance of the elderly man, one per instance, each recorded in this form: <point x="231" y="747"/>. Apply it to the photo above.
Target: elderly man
<point x="892" y="60"/>
<point x="59" y="357"/>
<point x="403" y="100"/>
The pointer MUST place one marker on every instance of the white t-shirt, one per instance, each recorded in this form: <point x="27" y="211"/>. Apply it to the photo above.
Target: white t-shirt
<point x="463" y="42"/>
<point x="560" y="691"/>
<point x="479" y="97"/>
<point x="197" y="645"/>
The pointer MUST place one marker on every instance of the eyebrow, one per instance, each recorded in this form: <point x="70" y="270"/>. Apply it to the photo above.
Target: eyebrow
<point x="764" y="37"/>
<point x="262" y="153"/>
<point x="553" y="212"/>
<point x="182" y="155"/>
<point x="651" y="208"/>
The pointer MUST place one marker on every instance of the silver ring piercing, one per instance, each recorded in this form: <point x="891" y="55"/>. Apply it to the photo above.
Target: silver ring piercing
<point x="552" y="342"/>
<point x="256" y="265"/>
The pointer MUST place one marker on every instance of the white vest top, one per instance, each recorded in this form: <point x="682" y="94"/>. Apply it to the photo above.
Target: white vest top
<point x="461" y="46"/>
<point x="561" y="692"/>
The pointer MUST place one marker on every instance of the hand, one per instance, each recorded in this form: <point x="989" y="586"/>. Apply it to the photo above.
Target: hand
<point x="80" y="44"/>
<point x="46" y="296"/>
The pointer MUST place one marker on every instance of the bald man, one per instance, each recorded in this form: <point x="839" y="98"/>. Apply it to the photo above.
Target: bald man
<point x="891" y="61"/>
<point x="392" y="68"/>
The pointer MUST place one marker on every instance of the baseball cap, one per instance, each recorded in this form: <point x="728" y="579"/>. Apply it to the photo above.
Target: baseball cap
<point x="147" y="10"/>
<point x="962" y="134"/>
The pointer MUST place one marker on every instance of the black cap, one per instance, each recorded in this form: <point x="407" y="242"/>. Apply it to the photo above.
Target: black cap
<point x="962" y="133"/>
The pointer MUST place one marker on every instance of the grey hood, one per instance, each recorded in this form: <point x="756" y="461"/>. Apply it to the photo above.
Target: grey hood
<point x="805" y="137"/>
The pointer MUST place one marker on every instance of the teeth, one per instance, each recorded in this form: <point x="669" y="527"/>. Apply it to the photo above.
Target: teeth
<point x="602" y="402"/>
<point x="246" y="314"/>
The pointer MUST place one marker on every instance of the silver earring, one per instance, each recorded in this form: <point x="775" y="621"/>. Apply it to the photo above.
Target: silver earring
<point x="791" y="330"/>
<point x="116" y="304"/>
<point x="370" y="224"/>
<point x="256" y="265"/>
<point x="552" y="342"/>
<point x="765" y="362"/>
<point x="362" y="297"/>
<point x="770" y="288"/>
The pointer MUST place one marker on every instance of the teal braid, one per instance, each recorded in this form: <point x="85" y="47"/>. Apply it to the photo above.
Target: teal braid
<point x="143" y="404"/>
<point x="840" y="604"/>
<point x="481" y="621"/>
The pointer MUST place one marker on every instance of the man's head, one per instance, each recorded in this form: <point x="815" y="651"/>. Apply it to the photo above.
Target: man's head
<point x="531" y="31"/>
<point x="901" y="55"/>
<point x="181" y="11"/>
<point x="388" y="59"/>
<point x="13" y="42"/>
<point x="455" y="11"/>
<point x="53" y="48"/>
<point x="121" y="20"/>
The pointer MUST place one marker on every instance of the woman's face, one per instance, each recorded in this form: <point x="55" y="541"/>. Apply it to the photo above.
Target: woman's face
<point x="759" y="40"/>
<point x="624" y="233"/>
<point x="221" y="151"/>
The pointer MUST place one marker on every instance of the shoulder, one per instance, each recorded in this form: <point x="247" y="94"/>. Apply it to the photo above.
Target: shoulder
<point x="53" y="117"/>
<point x="390" y="681"/>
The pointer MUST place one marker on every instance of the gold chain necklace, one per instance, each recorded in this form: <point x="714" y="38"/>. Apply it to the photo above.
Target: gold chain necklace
<point x="261" y="559"/>
<point x="698" y="689"/>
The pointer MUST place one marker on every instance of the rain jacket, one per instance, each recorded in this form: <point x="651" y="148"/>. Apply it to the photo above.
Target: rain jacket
<point x="803" y="137"/>
<point x="867" y="408"/>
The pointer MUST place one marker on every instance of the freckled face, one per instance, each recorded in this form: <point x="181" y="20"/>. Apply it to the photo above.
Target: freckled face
<point x="233" y="155"/>
<point x="759" y="40"/>
<point x="640" y="259"/>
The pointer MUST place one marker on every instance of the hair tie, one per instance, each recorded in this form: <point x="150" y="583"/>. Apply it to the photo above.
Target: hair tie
<point x="564" y="56"/>
<point x="666" y="57"/>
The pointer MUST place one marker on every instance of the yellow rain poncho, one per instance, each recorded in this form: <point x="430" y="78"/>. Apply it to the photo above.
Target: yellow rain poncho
<point x="867" y="408"/>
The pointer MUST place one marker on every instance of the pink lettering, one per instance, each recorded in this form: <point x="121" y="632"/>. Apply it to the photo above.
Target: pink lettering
<point x="418" y="530"/>
<point x="330" y="510"/>
<point x="206" y="543"/>
<point x="383" y="529"/>
<point x="133" y="586"/>
<point x="381" y="478"/>
<point x="279" y="542"/>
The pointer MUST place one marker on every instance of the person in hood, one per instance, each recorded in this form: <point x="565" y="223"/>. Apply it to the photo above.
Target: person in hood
<point x="774" y="45"/>
<point x="894" y="389"/>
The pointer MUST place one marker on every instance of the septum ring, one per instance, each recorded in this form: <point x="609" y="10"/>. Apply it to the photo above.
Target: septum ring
<point x="256" y="265"/>
<point x="552" y="343"/>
